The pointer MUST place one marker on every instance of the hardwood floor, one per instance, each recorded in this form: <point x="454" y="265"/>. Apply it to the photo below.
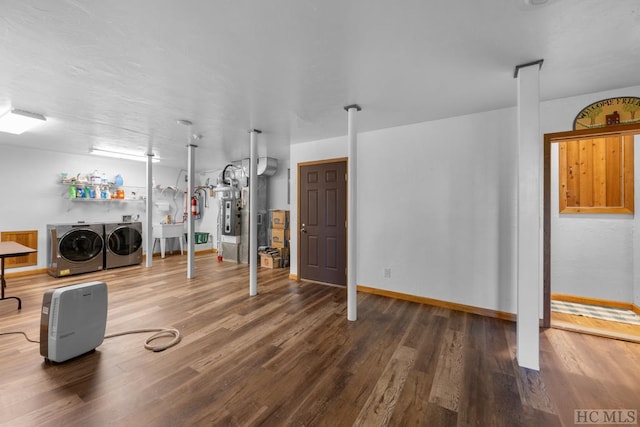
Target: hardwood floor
<point x="290" y="357"/>
<point x="598" y="327"/>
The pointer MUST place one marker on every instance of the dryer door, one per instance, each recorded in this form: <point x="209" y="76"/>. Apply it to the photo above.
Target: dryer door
<point x="124" y="241"/>
<point x="80" y="245"/>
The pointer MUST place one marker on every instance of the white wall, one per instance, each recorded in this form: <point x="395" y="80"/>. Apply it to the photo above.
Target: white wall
<point x="592" y="255"/>
<point x="437" y="205"/>
<point x="32" y="196"/>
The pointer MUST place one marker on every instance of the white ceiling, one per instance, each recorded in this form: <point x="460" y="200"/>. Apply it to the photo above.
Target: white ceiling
<point x="119" y="73"/>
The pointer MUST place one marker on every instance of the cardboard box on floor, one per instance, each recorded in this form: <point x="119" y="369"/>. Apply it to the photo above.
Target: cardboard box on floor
<point x="274" y="257"/>
<point x="278" y="237"/>
<point x="279" y="219"/>
<point x="268" y="261"/>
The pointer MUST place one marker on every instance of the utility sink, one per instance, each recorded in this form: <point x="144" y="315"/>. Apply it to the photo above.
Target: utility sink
<point x="168" y="231"/>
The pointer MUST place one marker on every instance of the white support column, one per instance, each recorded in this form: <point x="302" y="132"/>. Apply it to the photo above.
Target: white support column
<point x="529" y="214"/>
<point x="148" y="229"/>
<point x="253" y="213"/>
<point x="636" y="226"/>
<point x="352" y="240"/>
<point x="191" y="247"/>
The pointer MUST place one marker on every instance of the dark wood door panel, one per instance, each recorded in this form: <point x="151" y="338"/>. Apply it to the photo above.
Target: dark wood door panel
<point x="331" y="208"/>
<point x="323" y="212"/>
<point x="312" y="251"/>
<point x="331" y="253"/>
<point x="312" y="206"/>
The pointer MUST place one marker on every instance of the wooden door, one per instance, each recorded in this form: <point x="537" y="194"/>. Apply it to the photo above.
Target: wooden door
<point x="322" y="222"/>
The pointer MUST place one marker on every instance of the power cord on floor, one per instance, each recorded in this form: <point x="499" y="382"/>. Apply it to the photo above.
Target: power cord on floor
<point x="159" y="332"/>
<point x="20" y="333"/>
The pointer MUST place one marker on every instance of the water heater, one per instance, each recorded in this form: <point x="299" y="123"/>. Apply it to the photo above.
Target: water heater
<point x="73" y="320"/>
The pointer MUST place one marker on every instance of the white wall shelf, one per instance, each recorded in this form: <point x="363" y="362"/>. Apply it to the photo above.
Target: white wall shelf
<point x="90" y="200"/>
<point x="135" y="191"/>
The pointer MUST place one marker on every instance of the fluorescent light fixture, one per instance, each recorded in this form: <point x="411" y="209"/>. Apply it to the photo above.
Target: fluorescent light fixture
<point x="18" y="121"/>
<point x="119" y="155"/>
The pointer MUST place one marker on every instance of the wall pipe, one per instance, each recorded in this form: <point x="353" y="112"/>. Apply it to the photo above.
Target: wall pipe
<point x="352" y="240"/>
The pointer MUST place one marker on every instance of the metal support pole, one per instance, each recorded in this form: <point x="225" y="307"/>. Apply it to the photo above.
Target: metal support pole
<point x="529" y="215"/>
<point x="190" y="218"/>
<point x="148" y="228"/>
<point x="352" y="239"/>
<point x="253" y="213"/>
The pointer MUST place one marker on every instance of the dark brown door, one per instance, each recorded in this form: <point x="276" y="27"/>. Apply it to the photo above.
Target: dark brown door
<point x="322" y="224"/>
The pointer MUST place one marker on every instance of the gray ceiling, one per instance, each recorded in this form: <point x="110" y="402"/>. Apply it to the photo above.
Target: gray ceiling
<point x="119" y="73"/>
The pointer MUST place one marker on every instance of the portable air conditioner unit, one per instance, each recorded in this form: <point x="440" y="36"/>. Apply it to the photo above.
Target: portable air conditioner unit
<point x="73" y="320"/>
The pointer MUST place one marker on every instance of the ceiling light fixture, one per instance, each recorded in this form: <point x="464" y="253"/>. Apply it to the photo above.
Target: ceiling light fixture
<point x="119" y="155"/>
<point x="18" y="121"/>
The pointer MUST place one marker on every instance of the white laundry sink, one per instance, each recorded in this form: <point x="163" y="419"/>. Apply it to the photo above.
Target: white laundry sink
<point x="168" y="231"/>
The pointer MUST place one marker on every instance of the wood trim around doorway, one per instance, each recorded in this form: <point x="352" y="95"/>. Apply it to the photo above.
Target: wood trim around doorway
<point x="299" y="166"/>
<point x="549" y="138"/>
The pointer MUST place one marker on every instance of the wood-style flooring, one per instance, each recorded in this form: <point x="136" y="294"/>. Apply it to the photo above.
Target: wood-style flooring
<point x="593" y="326"/>
<point x="289" y="357"/>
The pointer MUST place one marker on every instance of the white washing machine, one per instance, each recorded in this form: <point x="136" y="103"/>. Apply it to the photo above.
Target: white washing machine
<point x="74" y="248"/>
<point x="123" y="244"/>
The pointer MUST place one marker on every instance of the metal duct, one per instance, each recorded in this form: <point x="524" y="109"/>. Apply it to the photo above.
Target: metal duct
<point x="267" y="166"/>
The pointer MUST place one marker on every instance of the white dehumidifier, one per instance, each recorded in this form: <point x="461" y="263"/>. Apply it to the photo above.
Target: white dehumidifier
<point x="73" y="320"/>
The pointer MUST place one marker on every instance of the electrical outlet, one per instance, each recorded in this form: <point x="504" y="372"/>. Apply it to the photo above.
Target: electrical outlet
<point x="387" y="273"/>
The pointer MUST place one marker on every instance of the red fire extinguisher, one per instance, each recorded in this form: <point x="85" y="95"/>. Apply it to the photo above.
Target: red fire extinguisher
<point x="194" y="206"/>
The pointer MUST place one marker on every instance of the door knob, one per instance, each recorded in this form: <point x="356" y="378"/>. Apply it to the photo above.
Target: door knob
<point x="303" y="229"/>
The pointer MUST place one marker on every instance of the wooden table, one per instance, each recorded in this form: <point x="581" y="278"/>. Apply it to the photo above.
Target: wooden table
<point x="11" y="249"/>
